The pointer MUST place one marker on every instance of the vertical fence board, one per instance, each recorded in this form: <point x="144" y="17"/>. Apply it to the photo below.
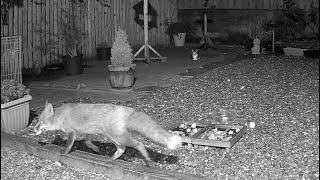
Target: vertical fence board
<point x="241" y="4"/>
<point x="102" y="19"/>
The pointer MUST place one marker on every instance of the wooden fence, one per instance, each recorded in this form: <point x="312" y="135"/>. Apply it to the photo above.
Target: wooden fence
<point x="101" y="17"/>
<point x="241" y="4"/>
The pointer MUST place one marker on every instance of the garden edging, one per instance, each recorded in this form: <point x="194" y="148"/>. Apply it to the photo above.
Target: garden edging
<point x="92" y="162"/>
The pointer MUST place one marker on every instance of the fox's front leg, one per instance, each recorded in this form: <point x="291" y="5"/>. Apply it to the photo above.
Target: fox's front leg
<point x="70" y="140"/>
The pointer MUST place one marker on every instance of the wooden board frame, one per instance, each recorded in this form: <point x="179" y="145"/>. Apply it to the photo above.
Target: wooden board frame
<point x="195" y="140"/>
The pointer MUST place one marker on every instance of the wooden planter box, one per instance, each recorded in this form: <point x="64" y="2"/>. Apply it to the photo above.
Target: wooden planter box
<point x="15" y="114"/>
<point x="293" y="51"/>
<point x="121" y="77"/>
<point x="195" y="140"/>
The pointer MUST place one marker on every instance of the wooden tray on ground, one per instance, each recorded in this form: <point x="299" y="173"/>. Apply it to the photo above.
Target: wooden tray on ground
<point x="195" y="140"/>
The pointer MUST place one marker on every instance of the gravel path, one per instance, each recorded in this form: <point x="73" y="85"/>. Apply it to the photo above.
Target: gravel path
<point x="280" y="94"/>
<point x="18" y="165"/>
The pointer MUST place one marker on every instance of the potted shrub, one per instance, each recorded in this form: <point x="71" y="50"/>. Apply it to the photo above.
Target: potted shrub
<point x="291" y="22"/>
<point x="178" y="31"/>
<point x="121" y="70"/>
<point x="15" y="100"/>
<point x="68" y="37"/>
<point x="293" y="25"/>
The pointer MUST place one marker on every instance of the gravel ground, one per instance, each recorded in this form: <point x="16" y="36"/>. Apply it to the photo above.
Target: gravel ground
<point x="20" y="165"/>
<point x="280" y="94"/>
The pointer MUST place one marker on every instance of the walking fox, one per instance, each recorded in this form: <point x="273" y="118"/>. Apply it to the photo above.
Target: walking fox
<point x="113" y="121"/>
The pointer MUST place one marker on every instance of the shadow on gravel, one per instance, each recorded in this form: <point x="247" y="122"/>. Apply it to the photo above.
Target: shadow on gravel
<point x="107" y="149"/>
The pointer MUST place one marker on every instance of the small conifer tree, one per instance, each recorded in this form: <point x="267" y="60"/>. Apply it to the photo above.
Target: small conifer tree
<point x="121" y="51"/>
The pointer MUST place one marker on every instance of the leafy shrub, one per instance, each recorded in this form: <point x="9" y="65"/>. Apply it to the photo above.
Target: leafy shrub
<point x="178" y="27"/>
<point x="313" y="19"/>
<point x="121" y="51"/>
<point x="291" y="22"/>
<point x="12" y="90"/>
<point x="69" y="34"/>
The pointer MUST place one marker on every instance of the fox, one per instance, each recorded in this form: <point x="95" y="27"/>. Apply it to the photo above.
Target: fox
<point x="112" y="121"/>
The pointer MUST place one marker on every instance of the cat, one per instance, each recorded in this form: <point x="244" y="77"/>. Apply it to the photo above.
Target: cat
<point x="195" y="55"/>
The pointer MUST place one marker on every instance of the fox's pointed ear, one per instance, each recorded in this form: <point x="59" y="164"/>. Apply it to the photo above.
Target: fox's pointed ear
<point x="49" y="108"/>
<point x="46" y="103"/>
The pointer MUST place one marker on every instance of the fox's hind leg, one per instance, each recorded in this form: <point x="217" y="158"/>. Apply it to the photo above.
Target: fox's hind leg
<point x="89" y="144"/>
<point x="119" y="152"/>
<point x="127" y="140"/>
<point x="70" y="140"/>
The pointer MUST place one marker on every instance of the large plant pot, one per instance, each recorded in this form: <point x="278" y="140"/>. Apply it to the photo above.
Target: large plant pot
<point x="15" y="114"/>
<point x="73" y="65"/>
<point x="103" y="53"/>
<point x="179" y="39"/>
<point x="121" y="77"/>
<point x="289" y="51"/>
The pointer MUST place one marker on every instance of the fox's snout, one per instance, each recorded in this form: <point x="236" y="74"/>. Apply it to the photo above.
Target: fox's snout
<point x="38" y="128"/>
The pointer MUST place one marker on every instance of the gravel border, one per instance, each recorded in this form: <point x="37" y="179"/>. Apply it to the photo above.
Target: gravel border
<point x="21" y="165"/>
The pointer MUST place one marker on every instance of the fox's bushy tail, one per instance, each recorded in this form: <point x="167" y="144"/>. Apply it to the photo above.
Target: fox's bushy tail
<point x="144" y="124"/>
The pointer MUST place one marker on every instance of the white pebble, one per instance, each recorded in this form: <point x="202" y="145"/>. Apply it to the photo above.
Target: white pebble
<point x="58" y="163"/>
<point x="224" y="118"/>
<point x="252" y="125"/>
<point x="194" y="125"/>
<point x="182" y="126"/>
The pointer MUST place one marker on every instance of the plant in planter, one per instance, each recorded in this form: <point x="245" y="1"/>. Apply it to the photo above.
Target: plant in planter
<point x="68" y="37"/>
<point x="121" y="68"/>
<point x="291" y="21"/>
<point x="313" y="19"/>
<point x="14" y="106"/>
<point x="178" y="31"/>
<point x="292" y="24"/>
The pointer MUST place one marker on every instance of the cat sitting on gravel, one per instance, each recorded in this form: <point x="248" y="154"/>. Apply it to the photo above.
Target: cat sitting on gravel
<point x="195" y="55"/>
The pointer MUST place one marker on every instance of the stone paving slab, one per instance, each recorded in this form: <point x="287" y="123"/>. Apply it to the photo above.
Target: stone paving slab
<point x="56" y="95"/>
